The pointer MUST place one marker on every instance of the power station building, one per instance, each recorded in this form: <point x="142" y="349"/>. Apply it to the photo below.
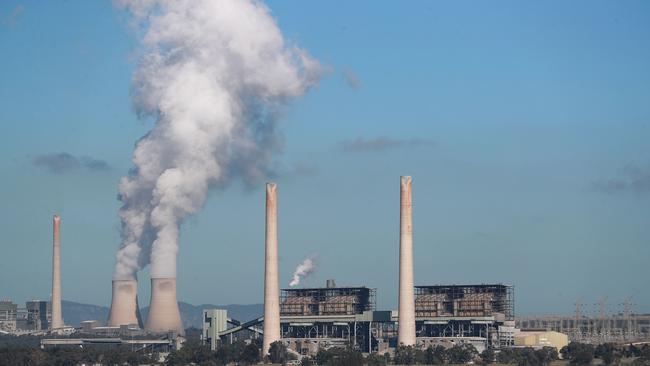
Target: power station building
<point x="481" y="315"/>
<point x="331" y="316"/>
<point x="8" y="315"/>
<point x="39" y="314"/>
<point x="35" y="316"/>
<point x="313" y="318"/>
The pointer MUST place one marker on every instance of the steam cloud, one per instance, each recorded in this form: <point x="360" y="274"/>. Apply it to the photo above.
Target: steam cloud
<point x="303" y="270"/>
<point x="212" y="74"/>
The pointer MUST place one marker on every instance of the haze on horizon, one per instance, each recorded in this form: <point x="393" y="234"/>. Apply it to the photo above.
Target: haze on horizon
<point x="525" y="127"/>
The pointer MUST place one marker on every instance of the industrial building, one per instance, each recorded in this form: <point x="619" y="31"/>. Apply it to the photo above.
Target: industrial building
<point x="478" y="314"/>
<point x="465" y="301"/>
<point x="540" y="339"/>
<point x="35" y="316"/>
<point x="218" y="328"/>
<point x="313" y="318"/>
<point x="39" y="314"/>
<point x="8" y="315"/>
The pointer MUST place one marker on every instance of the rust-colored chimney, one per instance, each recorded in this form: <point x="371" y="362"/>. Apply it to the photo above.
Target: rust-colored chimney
<point x="57" y="318"/>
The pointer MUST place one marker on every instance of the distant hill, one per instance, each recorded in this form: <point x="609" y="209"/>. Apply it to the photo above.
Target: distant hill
<point x="74" y="313"/>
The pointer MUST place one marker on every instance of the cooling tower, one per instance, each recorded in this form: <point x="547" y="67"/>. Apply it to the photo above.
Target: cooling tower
<point x="406" y="315"/>
<point x="124" y="304"/>
<point x="163" y="309"/>
<point x="271" y="286"/>
<point x="57" y="318"/>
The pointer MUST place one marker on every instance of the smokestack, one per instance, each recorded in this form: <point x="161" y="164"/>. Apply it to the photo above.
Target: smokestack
<point x="57" y="318"/>
<point x="406" y="315"/>
<point x="271" y="287"/>
<point x="163" y="309"/>
<point x="124" y="304"/>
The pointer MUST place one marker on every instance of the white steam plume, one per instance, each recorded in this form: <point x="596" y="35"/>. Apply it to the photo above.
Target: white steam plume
<point x="303" y="270"/>
<point x="212" y="74"/>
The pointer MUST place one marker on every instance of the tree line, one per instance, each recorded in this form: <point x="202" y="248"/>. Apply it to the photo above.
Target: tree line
<point x="71" y="356"/>
<point x="607" y="354"/>
<point x="241" y="353"/>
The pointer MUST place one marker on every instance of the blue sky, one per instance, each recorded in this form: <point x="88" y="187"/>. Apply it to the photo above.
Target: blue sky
<point x="525" y="126"/>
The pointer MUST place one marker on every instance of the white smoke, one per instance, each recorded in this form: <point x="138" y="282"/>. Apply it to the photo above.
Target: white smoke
<point x="212" y="73"/>
<point x="303" y="270"/>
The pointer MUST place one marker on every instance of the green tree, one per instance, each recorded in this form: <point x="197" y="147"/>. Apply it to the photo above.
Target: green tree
<point x="643" y="356"/>
<point x="250" y="354"/>
<point x="60" y="356"/>
<point x="339" y="356"/>
<point x="347" y="356"/>
<point x="632" y="351"/>
<point x="608" y="353"/>
<point x="527" y="357"/>
<point x="578" y="353"/>
<point x="507" y="356"/>
<point x="323" y="356"/>
<point x="307" y="361"/>
<point x="435" y="355"/>
<point x="278" y="352"/>
<point x="22" y="356"/>
<point x="227" y="353"/>
<point x="375" y="359"/>
<point x="461" y="353"/>
<point x="404" y="355"/>
<point x="487" y="356"/>
<point x="191" y="352"/>
<point x="583" y="357"/>
<point x="36" y="357"/>
<point x="546" y="355"/>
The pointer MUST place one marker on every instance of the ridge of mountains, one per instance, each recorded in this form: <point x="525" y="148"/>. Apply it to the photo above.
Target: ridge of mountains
<point x="74" y="312"/>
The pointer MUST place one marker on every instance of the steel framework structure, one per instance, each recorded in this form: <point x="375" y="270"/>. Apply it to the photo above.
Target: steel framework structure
<point x="483" y="300"/>
<point x="327" y="301"/>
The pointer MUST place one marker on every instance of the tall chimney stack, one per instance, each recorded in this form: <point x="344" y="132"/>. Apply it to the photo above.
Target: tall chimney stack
<point x="124" y="304"/>
<point x="406" y="315"/>
<point x="57" y="318"/>
<point x="163" y="309"/>
<point x="271" y="287"/>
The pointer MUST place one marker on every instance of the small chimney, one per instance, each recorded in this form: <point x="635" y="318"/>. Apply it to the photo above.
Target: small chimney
<point x="271" y="286"/>
<point x="57" y="318"/>
<point x="331" y="284"/>
<point x="406" y="315"/>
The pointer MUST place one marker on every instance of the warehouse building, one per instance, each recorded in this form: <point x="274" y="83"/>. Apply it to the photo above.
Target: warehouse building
<point x="540" y="339"/>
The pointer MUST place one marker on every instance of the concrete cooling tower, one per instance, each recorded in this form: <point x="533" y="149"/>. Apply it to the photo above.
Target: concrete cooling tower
<point x="163" y="309"/>
<point x="124" y="305"/>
